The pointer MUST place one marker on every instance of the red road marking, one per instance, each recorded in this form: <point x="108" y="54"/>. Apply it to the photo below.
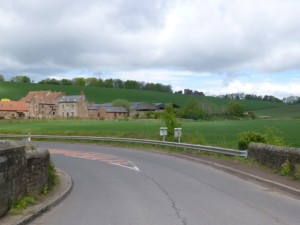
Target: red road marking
<point x="110" y="159"/>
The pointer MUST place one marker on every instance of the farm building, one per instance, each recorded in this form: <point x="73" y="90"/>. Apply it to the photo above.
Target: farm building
<point x="93" y="111"/>
<point x="13" y="110"/>
<point x="42" y="104"/>
<point x="110" y="112"/>
<point x="141" y="108"/>
<point x="73" y="106"/>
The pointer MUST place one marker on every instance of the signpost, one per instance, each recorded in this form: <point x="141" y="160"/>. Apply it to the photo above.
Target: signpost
<point x="177" y="133"/>
<point x="163" y="132"/>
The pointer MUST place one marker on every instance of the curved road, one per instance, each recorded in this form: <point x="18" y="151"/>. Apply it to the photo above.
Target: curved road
<point x="117" y="186"/>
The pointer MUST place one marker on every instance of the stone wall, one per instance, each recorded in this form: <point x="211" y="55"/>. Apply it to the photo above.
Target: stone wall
<point x="37" y="170"/>
<point x="273" y="156"/>
<point x="23" y="170"/>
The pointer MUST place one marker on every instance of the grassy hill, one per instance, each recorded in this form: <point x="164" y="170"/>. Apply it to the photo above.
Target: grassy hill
<point x="15" y="91"/>
<point x="286" y="111"/>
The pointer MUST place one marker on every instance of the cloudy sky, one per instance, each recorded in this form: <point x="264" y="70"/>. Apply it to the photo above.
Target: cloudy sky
<point x="214" y="46"/>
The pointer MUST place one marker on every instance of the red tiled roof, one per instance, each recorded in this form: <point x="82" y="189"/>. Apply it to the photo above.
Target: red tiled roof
<point x="17" y="106"/>
<point x="42" y="96"/>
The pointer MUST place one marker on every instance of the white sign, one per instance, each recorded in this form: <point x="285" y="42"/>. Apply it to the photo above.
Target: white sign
<point x="177" y="133"/>
<point x="163" y="131"/>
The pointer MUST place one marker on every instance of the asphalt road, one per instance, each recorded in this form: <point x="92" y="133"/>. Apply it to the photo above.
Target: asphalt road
<point x="115" y="186"/>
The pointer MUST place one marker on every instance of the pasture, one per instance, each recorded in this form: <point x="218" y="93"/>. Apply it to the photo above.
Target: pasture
<point x="215" y="133"/>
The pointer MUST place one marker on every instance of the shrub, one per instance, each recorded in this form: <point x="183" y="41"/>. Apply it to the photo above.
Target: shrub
<point x="52" y="178"/>
<point x="297" y="171"/>
<point x="235" y="109"/>
<point x="193" y="110"/>
<point x="246" y="138"/>
<point x="23" y="203"/>
<point x="170" y="120"/>
<point x="197" y="139"/>
<point x="157" y="115"/>
<point x="286" y="169"/>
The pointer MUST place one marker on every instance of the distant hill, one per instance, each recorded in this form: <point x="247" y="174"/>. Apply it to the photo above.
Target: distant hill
<point x="15" y="91"/>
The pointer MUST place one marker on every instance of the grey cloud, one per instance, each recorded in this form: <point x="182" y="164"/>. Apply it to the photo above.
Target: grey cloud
<point x="136" y="15"/>
<point x="223" y="36"/>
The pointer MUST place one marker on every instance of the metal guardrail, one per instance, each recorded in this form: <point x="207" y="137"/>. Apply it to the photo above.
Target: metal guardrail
<point x="226" y="151"/>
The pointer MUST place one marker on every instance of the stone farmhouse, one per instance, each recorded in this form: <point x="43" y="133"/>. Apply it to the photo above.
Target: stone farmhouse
<point x="73" y="106"/>
<point x="42" y="104"/>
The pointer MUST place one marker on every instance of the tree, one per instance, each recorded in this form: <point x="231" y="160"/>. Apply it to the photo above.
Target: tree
<point x="109" y="83"/>
<point x="193" y="110"/>
<point x="91" y="81"/>
<point x="235" y="109"/>
<point x="80" y="81"/>
<point x="118" y="83"/>
<point x="66" y="82"/>
<point x="1" y="78"/>
<point x="170" y="119"/>
<point x="20" y="79"/>
<point x="121" y="103"/>
<point x="50" y="81"/>
<point x="100" y="83"/>
<point x="132" y="84"/>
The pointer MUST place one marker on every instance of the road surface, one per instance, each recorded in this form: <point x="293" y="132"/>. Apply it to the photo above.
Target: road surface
<point x="118" y="186"/>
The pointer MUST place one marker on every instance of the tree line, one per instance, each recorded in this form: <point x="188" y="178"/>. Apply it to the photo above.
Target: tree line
<point x="18" y="78"/>
<point x="96" y="82"/>
<point x="243" y="96"/>
<point x="110" y="83"/>
<point x="132" y="84"/>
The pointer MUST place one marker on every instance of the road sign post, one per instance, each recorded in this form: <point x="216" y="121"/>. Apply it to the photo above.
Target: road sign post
<point x="177" y="133"/>
<point x="163" y="132"/>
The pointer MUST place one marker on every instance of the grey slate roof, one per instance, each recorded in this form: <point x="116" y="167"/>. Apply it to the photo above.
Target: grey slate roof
<point x="142" y="106"/>
<point x="70" y="98"/>
<point x="114" y="109"/>
<point x="94" y="106"/>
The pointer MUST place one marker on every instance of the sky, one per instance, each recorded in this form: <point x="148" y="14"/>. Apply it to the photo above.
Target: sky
<point x="214" y="46"/>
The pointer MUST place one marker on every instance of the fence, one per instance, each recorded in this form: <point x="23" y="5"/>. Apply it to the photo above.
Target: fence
<point x="226" y="151"/>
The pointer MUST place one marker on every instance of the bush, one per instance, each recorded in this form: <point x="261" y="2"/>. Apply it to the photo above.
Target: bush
<point x="23" y="203"/>
<point x="170" y="120"/>
<point x="286" y="169"/>
<point x="246" y="138"/>
<point x="297" y="171"/>
<point x="53" y="179"/>
<point x="197" y="139"/>
<point x="235" y="109"/>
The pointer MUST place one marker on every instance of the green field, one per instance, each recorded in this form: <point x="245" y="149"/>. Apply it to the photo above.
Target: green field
<point x="15" y="91"/>
<point x="282" y="117"/>
<point x="287" y="111"/>
<point x="215" y="133"/>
